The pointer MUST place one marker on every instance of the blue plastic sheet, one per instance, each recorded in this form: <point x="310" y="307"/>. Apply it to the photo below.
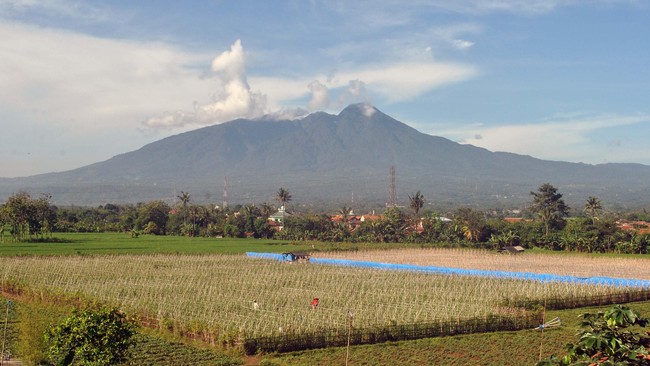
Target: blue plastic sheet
<point x="541" y="277"/>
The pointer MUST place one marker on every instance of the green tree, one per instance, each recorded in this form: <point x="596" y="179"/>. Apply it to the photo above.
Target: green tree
<point x="471" y="224"/>
<point x="593" y="207"/>
<point x="17" y="212"/>
<point x="613" y="337"/>
<point x="156" y="212"/>
<point x="266" y="210"/>
<point x="345" y="216"/>
<point x="390" y="228"/>
<point x="90" y="337"/>
<point x="43" y="217"/>
<point x="185" y="199"/>
<point x="416" y="201"/>
<point x="549" y="206"/>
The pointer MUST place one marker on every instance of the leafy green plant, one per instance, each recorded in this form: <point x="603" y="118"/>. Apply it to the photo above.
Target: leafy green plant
<point x="613" y="337"/>
<point x="90" y="337"/>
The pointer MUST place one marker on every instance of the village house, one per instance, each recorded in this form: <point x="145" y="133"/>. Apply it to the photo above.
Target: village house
<point x="276" y="221"/>
<point x="641" y="227"/>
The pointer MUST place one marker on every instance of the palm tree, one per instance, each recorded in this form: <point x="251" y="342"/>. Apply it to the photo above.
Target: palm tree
<point x="345" y="212"/>
<point x="185" y="199"/>
<point x="593" y="206"/>
<point x="283" y="196"/>
<point x="266" y="210"/>
<point x="416" y="201"/>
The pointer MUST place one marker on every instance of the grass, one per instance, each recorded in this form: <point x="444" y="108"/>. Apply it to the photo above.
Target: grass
<point x="150" y="349"/>
<point x="28" y="321"/>
<point x="122" y="243"/>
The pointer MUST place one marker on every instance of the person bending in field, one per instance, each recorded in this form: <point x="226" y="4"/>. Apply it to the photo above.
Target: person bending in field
<point x="314" y="303"/>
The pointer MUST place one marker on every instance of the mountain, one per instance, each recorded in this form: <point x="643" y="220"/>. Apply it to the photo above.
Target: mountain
<point x="326" y="159"/>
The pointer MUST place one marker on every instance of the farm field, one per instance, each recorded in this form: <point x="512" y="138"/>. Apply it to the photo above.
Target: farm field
<point x="204" y="288"/>
<point x="495" y="349"/>
<point x="123" y="243"/>
<point x="499" y="348"/>
<point x="578" y="265"/>
<point x="214" y="294"/>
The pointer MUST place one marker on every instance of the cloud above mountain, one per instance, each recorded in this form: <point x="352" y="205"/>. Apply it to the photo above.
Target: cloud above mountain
<point x="234" y="98"/>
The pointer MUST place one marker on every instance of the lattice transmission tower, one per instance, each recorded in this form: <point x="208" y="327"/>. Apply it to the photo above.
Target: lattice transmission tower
<point x="225" y="192"/>
<point x="392" y="195"/>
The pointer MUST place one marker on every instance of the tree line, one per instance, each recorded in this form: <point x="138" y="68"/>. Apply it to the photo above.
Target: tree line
<point x="546" y="224"/>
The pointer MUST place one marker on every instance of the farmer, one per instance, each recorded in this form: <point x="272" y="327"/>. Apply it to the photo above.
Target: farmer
<point x="314" y="303"/>
<point x="256" y="306"/>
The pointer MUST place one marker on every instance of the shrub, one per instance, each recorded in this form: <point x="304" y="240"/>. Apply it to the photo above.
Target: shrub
<point x="90" y="337"/>
<point x="613" y="337"/>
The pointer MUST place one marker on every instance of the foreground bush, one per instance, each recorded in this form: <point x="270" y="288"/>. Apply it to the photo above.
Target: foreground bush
<point x="90" y="337"/>
<point x="612" y="337"/>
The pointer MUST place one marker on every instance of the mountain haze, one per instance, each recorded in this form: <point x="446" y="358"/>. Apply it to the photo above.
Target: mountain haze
<point x="325" y="158"/>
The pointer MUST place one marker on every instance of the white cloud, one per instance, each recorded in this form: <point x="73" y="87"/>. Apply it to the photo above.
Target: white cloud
<point x="526" y="7"/>
<point x="368" y="110"/>
<point x="355" y="92"/>
<point x="462" y="44"/>
<point x="404" y="81"/>
<point x="392" y="82"/>
<point x="88" y="83"/>
<point x="71" y="99"/>
<point x="319" y="96"/>
<point x="70" y="9"/>
<point x="570" y="139"/>
<point x="235" y="99"/>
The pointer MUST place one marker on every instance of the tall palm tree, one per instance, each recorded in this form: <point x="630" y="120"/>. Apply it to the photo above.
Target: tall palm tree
<point x="593" y="206"/>
<point x="185" y="199"/>
<point x="283" y="196"/>
<point x="416" y="201"/>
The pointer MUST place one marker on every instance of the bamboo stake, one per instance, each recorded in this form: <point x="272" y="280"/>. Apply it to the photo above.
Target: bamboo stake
<point x="4" y="336"/>
<point x="541" y="343"/>
<point x="347" y="351"/>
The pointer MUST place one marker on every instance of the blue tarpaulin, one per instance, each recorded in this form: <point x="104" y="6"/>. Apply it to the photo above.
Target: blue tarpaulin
<point x="542" y="277"/>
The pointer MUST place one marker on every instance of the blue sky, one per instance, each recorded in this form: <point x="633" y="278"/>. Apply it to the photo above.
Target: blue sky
<point x="82" y="81"/>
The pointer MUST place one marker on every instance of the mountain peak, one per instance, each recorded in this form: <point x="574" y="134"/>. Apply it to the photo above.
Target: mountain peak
<point x="359" y="109"/>
<point x="324" y="158"/>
